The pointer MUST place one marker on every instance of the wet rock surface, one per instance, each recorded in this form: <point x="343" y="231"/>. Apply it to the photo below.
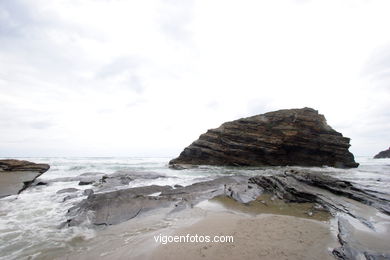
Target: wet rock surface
<point x="17" y="175"/>
<point x="299" y="186"/>
<point x="348" y="201"/>
<point x="383" y="154"/>
<point x="352" y="248"/>
<point x="363" y="216"/>
<point x="285" y="137"/>
<point x="114" y="207"/>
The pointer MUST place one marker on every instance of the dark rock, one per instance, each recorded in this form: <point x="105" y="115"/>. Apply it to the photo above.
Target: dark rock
<point x="88" y="192"/>
<point x="41" y="183"/>
<point x="18" y="165"/>
<point x="360" y="206"/>
<point x="177" y="186"/>
<point x="285" y="137"/>
<point x="352" y="248"/>
<point x="294" y="186"/>
<point x="16" y="175"/>
<point x="121" y="205"/>
<point x="117" y="206"/>
<point x="383" y="154"/>
<point x="67" y="190"/>
<point x="81" y="183"/>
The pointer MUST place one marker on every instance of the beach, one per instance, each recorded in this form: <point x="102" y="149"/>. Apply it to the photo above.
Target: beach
<point x="194" y="201"/>
<point x="260" y="237"/>
<point x="254" y="235"/>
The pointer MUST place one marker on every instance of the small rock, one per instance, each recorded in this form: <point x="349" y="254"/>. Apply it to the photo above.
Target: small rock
<point x="67" y="190"/>
<point x="88" y="192"/>
<point x="85" y="182"/>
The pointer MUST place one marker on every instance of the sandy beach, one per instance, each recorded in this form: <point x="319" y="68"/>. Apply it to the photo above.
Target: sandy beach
<point x="260" y="237"/>
<point x="256" y="235"/>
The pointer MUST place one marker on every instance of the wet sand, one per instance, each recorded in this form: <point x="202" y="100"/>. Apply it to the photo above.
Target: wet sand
<point x="259" y="237"/>
<point x="263" y="229"/>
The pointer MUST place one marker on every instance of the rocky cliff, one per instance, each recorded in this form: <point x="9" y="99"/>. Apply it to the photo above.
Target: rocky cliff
<point x="16" y="175"/>
<point x="383" y="154"/>
<point x="285" y="137"/>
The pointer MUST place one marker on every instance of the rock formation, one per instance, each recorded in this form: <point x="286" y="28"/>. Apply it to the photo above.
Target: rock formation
<point x="285" y="137"/>
<point x="383" y="154"/>
<point x="360" y="212"/>
<point x="113" y="207"/>
<point x="348" y="201"/>
<point x="16" y="175"/>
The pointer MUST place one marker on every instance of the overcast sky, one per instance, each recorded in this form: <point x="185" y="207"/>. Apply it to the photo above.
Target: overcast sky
<point x="146" y="78"/>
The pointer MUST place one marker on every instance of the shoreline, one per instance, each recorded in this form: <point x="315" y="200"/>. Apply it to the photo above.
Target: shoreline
<point x="256" y="235"/>
<point x="358" y="219"/>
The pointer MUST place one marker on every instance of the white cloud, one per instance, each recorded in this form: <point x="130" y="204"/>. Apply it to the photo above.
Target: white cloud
<point x="145" y="78"/>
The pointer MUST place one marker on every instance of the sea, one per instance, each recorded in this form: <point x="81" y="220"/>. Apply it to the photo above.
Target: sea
<point x="30" y="223"/>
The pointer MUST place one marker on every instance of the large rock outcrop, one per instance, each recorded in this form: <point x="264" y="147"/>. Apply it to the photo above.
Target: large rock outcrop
<point x="363" y="211"/>
<point x="16" y="175"/>
<point x="383" y="154"/>
<point x="285" y="137"/>
<point x="113" y="207"/>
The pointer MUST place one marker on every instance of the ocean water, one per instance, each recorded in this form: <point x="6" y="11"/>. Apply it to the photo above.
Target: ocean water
<point x="29" y="222"/>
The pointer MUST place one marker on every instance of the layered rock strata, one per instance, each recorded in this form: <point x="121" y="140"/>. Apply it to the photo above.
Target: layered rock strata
<point x="285" y="137"/>
<point x="17" y="175"/>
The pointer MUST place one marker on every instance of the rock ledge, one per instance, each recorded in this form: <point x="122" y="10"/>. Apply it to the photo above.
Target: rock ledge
<point x="17" y="175"/>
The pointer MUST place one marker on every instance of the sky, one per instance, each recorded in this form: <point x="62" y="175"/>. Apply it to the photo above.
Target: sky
<point x="146" y="78"/>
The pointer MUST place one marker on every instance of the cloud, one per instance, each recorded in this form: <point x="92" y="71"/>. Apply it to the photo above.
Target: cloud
<point x="141" y="78"/>
<point x="377" y="68"/>
<point x="175" y="17"/>
<point x="122" y="71"/>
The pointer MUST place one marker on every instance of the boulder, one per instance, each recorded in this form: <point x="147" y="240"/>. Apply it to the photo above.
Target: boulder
<point x="383" y="154"/>
<point x="17" y="175"/>
<point x="285" y="137"/>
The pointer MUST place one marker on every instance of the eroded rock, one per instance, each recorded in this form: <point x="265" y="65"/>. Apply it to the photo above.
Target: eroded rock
<point x="345" y="200"/>
<point x="383" y="154"/>
<point x="116" y="206"/>
<point x="113" y="207"/>
<point x="17" y="175"/>
<point x="285" y="137"/>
